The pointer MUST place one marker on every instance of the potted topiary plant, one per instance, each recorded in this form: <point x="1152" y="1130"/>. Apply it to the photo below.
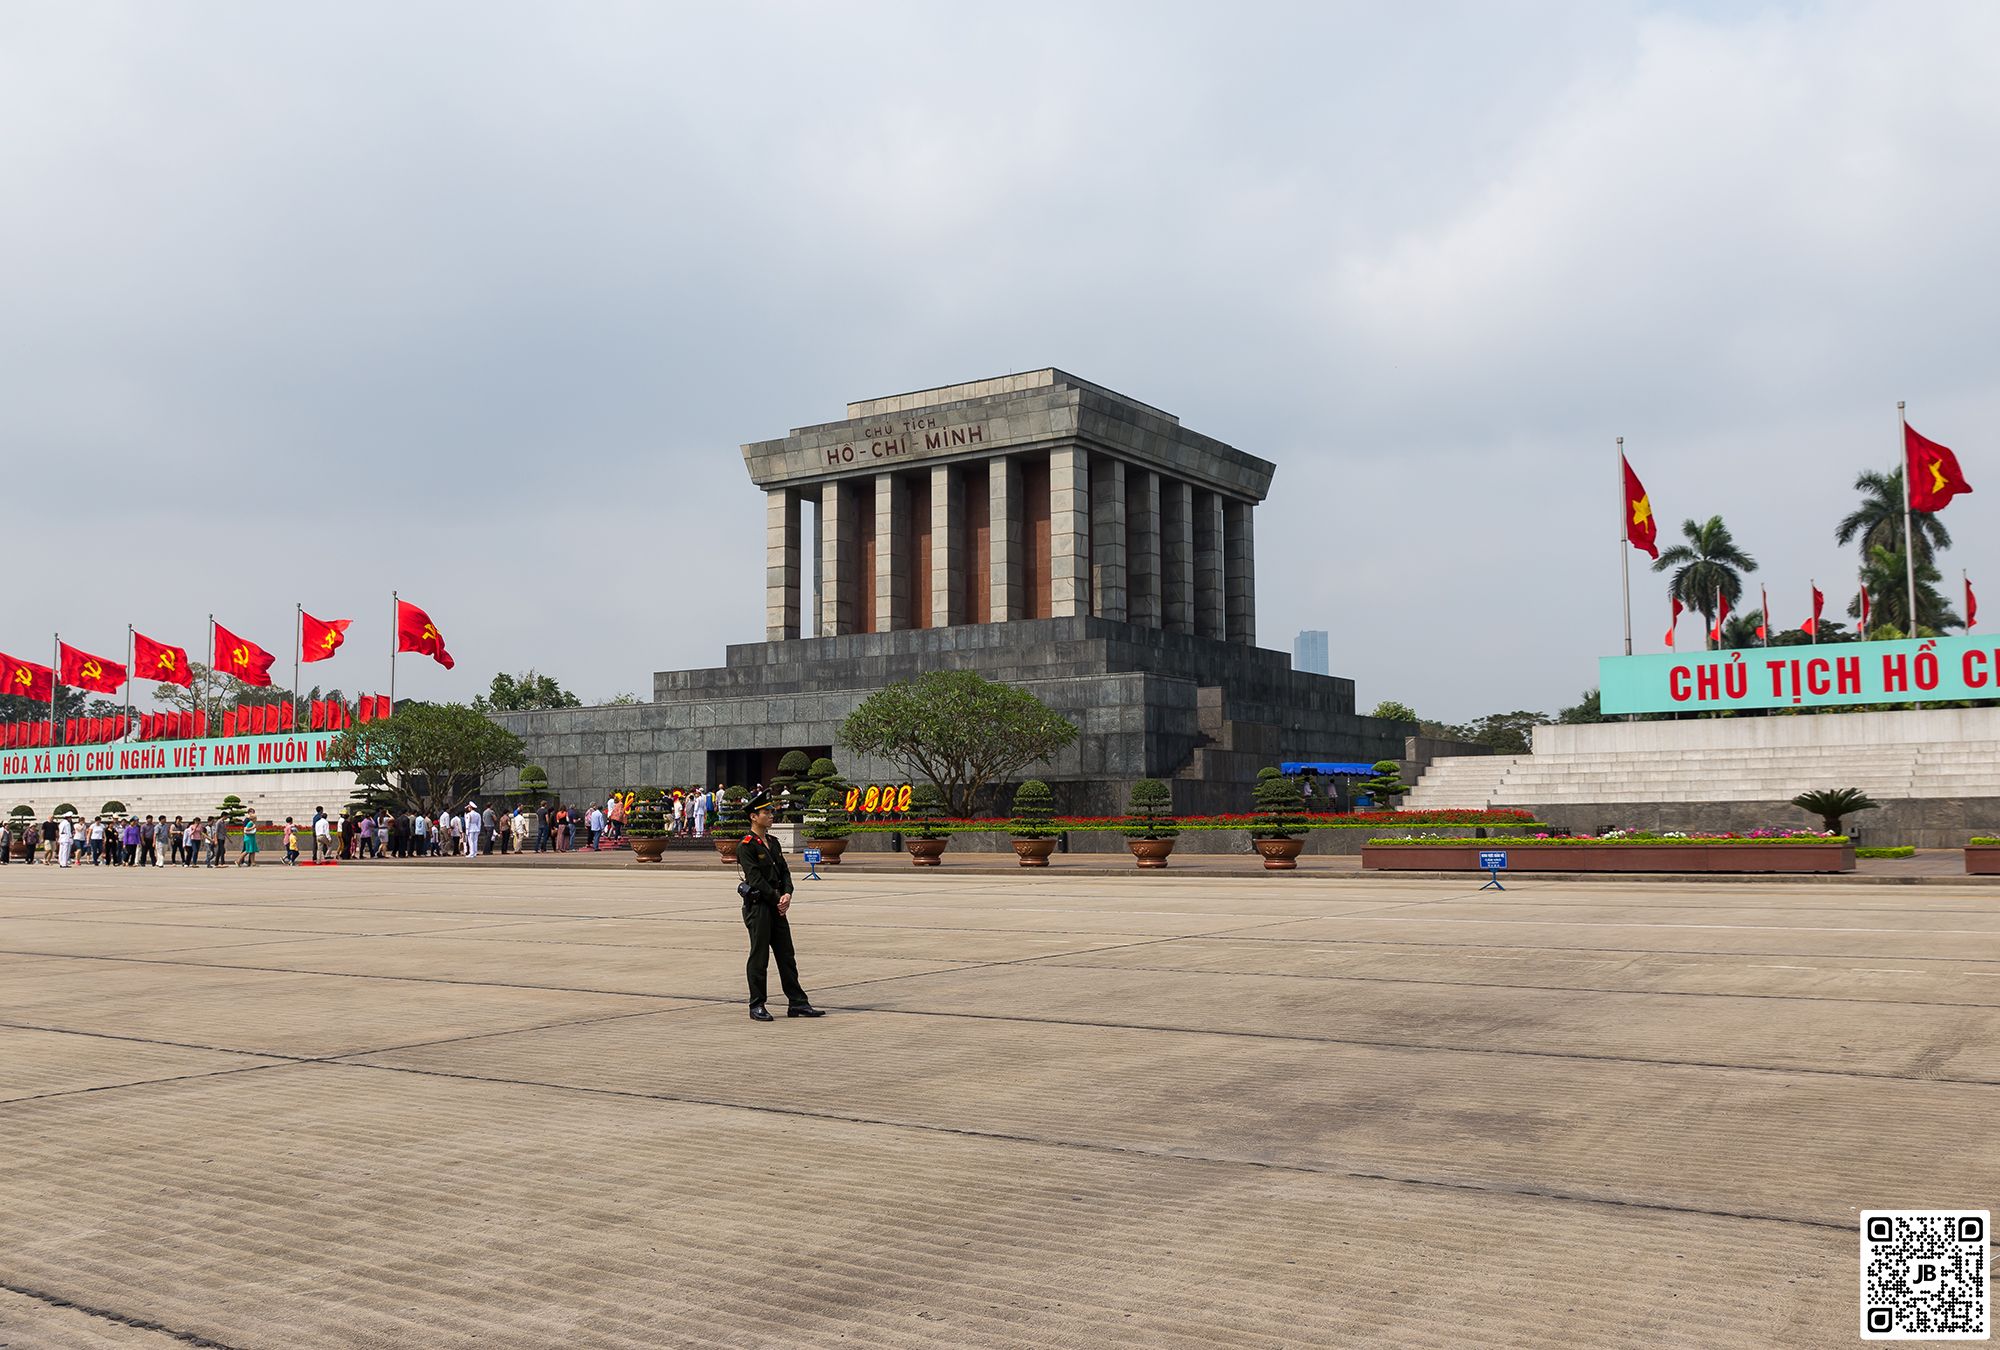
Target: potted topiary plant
<point x="924" y="833"/>
<point x="1150" y="829"/>
<point x="786" y="788"/>
<point x="827" y="826"/>
<point x="22" y="819"/>
<point x="112" y="808"/>
<point x="1034" y="840"/>
<point x="1280" y="812"/>
<point x="534" y="782"/>
<point x="1387" y="785"/>
<point x="646" y="825"/>
<point x="731" y="822"/>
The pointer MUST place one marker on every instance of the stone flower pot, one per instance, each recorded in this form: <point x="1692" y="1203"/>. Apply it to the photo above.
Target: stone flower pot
<point x="1150" y="853"/>
<point x="1280" y="855"/>
<point x="648" y="850"/>
<point x="726" y="845"/>
<point x="829" y="849"/>
<point x="926" y="852"/>
<point x="1034" y="852"/>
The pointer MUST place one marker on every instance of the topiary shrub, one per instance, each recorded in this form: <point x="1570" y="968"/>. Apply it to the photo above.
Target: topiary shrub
<point x="1152" y="811"/>
<point x="792" y="767"/>
<point x="829" y="809"/>
<point x="1033" y="805"/>
<point x="646" y="815"/>
<point x="1280" y="808"/>
<point x="926" y="816"/>
<point x="534" y="780"/>
<point x="231" y="809"/>
<point x="729" y="813"/>
<point x="1387" y="784"/>
<point x="111" y="809"/>
<point x="65" y="809"/>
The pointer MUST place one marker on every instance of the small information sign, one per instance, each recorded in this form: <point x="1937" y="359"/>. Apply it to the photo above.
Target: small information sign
<point x="1493" y="862"/>
<point x="812" y="856"/>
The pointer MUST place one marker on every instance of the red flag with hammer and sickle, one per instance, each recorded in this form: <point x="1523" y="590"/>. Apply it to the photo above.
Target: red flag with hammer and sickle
<point x="320" y="638"/>
<point x="242" y="658"/>
<point x="25" y="679"/>
<point x="416" y="633"/>
<point x="81" y="670"/>
<point x="157" y="661"/>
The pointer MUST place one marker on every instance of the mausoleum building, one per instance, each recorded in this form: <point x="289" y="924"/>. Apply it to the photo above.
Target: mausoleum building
<point x="1037" y="528"/>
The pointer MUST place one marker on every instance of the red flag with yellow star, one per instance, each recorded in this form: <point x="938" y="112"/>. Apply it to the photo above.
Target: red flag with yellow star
<point x="157" y="661"/>
<point x="1640" y="527"/>
<point x="81" y="670"/>
<point x="320" y="638"/>
<point x="1934" y="474"/>
<point x="25" y="679"/>
<point x="242" y="658"/>
<point x="416" y="633"/>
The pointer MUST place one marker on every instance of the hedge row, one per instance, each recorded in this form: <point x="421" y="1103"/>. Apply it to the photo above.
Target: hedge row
<point x="1703" y="840"/>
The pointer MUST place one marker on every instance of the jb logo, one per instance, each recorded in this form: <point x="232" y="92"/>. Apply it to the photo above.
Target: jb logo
<point x="1924" y="1272"/>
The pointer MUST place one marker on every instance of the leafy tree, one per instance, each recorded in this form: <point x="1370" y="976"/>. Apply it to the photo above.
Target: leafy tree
<point x="1830" y="804"/>
<point x="1390" y="710"/>
<point x="927" y="811"/>
<point x="1507" y="733"/>
<point x="956" y="730"/>
<point x="1878" y="521"/>
<point x="621" y="700"/>
<point x="433" y="755"/>
<point x="1889" y="597"/>
<point x="830" y="812"/>
<point x="1709" y="561"/>
<point x="1829" y="631"/>
<point x="1588" y="708"/>
<point x="529" y="691"/>
<point x="69" y="703"/>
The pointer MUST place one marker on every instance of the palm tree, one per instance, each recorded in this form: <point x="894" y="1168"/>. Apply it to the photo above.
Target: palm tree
<point x="1878" y="521"/>
<point x="1888" y="597"/>
<point x="1740" y="630"/>
<point x="1708" y="562"/>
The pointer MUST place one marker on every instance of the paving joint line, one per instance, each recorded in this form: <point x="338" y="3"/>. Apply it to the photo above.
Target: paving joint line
<point x="106" y="1314"/>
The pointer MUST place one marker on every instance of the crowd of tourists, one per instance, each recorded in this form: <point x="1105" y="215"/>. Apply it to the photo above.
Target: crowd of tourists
<point x="470" y="831"/>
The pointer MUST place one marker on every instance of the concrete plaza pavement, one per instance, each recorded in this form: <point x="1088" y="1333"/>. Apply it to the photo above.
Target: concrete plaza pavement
<point x="521" y="1106"/>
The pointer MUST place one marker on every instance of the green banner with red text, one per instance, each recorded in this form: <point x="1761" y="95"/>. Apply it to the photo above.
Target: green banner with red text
<point x="153" y="759"/>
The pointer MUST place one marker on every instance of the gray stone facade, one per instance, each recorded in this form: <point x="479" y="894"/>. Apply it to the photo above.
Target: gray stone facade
<point x="1038" y="529"/>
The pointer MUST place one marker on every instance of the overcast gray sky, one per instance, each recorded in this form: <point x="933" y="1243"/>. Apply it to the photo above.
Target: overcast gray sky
<point x="304" y="302"/>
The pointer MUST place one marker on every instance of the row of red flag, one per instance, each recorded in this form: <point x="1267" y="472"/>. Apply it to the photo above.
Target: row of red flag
<point x="76" y="731"/>
<point x="1931" y="478"/>
<point x="1811" y="625"/>
<point x="237" y="656"/>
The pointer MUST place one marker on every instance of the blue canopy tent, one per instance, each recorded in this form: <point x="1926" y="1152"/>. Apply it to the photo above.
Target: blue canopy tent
<point x="1340" y="793"/>
<point x="1327" y="767"/>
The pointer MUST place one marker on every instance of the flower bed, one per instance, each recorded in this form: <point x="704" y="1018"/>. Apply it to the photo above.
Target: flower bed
<point x="1982" y="856"/>
<point x="1805" y="851"/>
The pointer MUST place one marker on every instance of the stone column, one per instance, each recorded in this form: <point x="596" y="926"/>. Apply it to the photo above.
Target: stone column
<point x="781" y="565"/>
<point x="1210" y="620"/>
<point x="1069" y="532"/>
<point x="836" y="559"/>
<point x="1239" y="571"/>
<point x="947" y="561"/>
<point x="1142" y="548"/>
<point x="1109" y="583"/>
<point x="892" y="565"/>
<point x="1006" y="531"/>
<point x="816" y="555"/>
<point x="1176" y="556"/>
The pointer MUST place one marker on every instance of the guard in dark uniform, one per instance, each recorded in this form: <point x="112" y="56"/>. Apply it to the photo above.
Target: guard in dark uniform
<point x="767" y="893"/>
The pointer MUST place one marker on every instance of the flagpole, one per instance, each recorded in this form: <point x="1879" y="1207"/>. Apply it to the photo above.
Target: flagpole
<point x="395" y="612"/>
<point x="1624" y="554"/>
<point x="1909" y="539"/>
<point x="1815" y="618"/>
<point x="207" y="685"/>
<point x="298" y="642"/>
<point x="55" y="685"/>
<point x="130" y="656"/>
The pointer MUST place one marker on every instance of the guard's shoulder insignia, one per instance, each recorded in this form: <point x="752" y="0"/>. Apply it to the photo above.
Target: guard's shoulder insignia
<point x="749" y="838"/>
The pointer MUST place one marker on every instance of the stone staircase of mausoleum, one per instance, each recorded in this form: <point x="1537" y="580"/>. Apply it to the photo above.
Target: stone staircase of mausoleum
<point x="1887" y="771"/>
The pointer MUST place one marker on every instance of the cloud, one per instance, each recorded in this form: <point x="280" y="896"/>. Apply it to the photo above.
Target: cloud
<point x="313" y="301"/>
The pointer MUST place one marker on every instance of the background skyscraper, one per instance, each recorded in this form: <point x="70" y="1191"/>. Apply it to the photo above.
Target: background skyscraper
<point x="1309" y="651"/>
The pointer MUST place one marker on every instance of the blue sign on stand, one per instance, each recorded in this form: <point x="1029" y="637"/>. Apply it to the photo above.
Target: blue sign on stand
<point x="812" y="856"/>
<point x="1494" y="861"/>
